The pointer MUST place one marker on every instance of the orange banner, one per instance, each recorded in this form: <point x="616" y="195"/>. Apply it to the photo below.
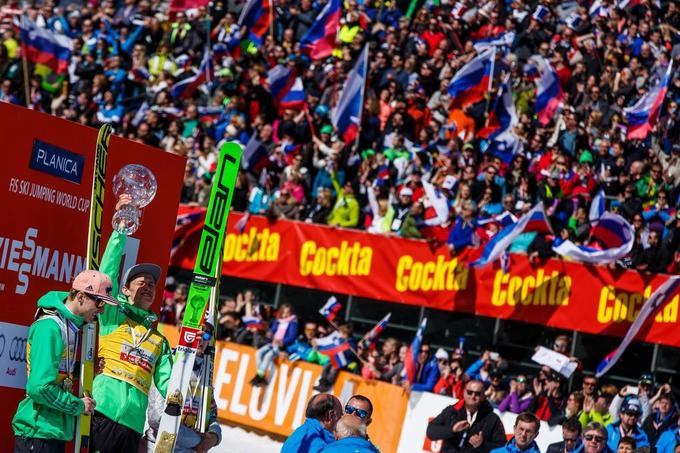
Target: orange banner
<point x="592" y="299"/>
<point x="45" y="190"/>
<point x="280" y="407"/>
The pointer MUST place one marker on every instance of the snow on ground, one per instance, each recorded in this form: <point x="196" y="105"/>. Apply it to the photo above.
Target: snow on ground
<point x="238" y="440"/>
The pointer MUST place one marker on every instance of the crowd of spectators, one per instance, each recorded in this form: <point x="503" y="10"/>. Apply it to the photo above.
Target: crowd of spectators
<point x="418" y="169"/>
<point x="636" y="416"/>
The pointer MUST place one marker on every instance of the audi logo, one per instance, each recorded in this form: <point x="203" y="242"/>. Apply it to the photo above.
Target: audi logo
<point x="17" y="349"/>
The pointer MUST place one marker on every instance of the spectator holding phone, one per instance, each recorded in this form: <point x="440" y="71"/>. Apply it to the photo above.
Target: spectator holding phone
<point x="520" y="397"/>
<point x="664" y="414"/>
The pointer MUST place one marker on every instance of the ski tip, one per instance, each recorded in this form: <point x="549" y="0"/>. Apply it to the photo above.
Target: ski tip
<point x="233" y="149"/>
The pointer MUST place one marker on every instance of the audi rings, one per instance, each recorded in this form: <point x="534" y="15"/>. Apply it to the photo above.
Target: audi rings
<point x="17" y="349"/>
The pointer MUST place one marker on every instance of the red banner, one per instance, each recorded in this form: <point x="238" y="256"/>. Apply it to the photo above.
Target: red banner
<point x="557" y="293"/>
<point x="45" y="189"/>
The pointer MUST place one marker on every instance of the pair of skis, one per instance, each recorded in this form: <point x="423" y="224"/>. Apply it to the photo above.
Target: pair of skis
<point x="201" y="304"/>
<point x="93" y="257"/>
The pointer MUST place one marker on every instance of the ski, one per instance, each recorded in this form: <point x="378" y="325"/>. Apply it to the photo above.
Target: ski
<point x="205" y="277"/>
<point x="94" y="241"/>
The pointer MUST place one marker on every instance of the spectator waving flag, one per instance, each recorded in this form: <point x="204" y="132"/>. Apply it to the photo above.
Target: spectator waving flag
<point x="549" y="95"/>
<point x="255" y="155"/>
<point x="336" y="348"/>
<point x="499" y="130"/>
<point x="185" y="88"/>
<point x="472" y="81"/>
<point x="658" y="299"/>
<point x="331" y="308"/>
<point x="320" y="39"/>
<point x="411" y="359"/>
<point x="642" y="116"/>
<point x="534" y="220"/>
<point x="286" y="88"/>
<point x="371" y="337"/>
<point x="42" y="46"/>
<point x="257" y="17"/>
<point x="612" y="231"/>
<point x="347" y="114"/>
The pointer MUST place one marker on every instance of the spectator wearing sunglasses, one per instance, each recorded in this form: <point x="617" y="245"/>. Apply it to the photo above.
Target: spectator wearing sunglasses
<point x="350" y="435"/>
<point x="360" y="406"/>
<point x="427" y="371"/>
<point x="571" y="437"/>
<point x="627" y="425"/>
<point x="594" y="438"/>
<point x="323" y="412"/>
<point x="469" y="425"/>
<point x="524" y="435"/>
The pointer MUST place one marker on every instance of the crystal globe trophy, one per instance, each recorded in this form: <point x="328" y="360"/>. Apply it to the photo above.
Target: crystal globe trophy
<point x="139" y="183"/>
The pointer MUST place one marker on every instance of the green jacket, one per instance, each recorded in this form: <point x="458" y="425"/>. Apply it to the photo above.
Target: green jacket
<point x="116" y="398"/>
<point x="594" y="416"/>
<point x="345" y="213"/>
<point x="48" y="411"/>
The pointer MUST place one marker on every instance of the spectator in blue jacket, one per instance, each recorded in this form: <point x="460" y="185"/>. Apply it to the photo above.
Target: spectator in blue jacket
<point x="427" y="371"/>
<point x="350" y="433"/>
<point x="323" y="412"/>
<point x="525" y="432"/>
<point x="627" y="425"/>
<point x="282" y="334"/>
<point x="462" y="233"/>
<point x="669" y="441"/>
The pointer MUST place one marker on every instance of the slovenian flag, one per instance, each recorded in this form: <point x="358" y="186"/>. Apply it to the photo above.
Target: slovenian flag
<point x="336" y="348"/>
<point x="286" y="88"/>
<point x="41" y="46"/>
<point x="185" y="88"/>
<point x="331" y="308"/>
<point x="255" y="155"/>
<point x="252" y="322"/>
<point x="347" y="113"/>
<point x="372" y="336"/>
<point x="642" y="116"/>
<point x="657" y="300"/>
<point x="470" y="84"/>
<point x="503" y="116"/>
<point x="549" y="95"/>
<point x="533" y="221"/>
<point x="597" y="207"/>
<point x="612" y="231"/>
<point x="411" y="359"/>
<point x="320" y="39"/>
<point x="257" y="17"/>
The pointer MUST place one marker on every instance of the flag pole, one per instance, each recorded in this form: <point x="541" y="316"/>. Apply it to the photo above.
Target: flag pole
<point x="271" y="20"/>
<point x="27" y="90"/>
<point x="490" y="87"/>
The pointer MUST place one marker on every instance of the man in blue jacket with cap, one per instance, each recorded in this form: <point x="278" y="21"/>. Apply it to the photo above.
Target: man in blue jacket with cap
<point x="627" y="425"/>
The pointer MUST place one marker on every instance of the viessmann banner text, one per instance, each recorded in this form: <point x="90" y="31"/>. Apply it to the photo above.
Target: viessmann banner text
<point x="558" y="293"/>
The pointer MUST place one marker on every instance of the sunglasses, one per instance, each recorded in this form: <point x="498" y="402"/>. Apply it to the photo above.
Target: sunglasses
<point x="593" y="438"/>
<point x="351" y="410"/>
<point x="473" y="393"/>
<point x="99" y="302"/>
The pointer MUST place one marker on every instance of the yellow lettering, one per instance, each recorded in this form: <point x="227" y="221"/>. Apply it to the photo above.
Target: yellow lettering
<point x="403" y="265"/>
<point x="308" y="248"/>
<point x="604" y="312"/>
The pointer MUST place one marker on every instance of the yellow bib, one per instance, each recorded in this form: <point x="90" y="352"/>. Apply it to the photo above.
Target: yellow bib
<point x="130" y="353"/>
